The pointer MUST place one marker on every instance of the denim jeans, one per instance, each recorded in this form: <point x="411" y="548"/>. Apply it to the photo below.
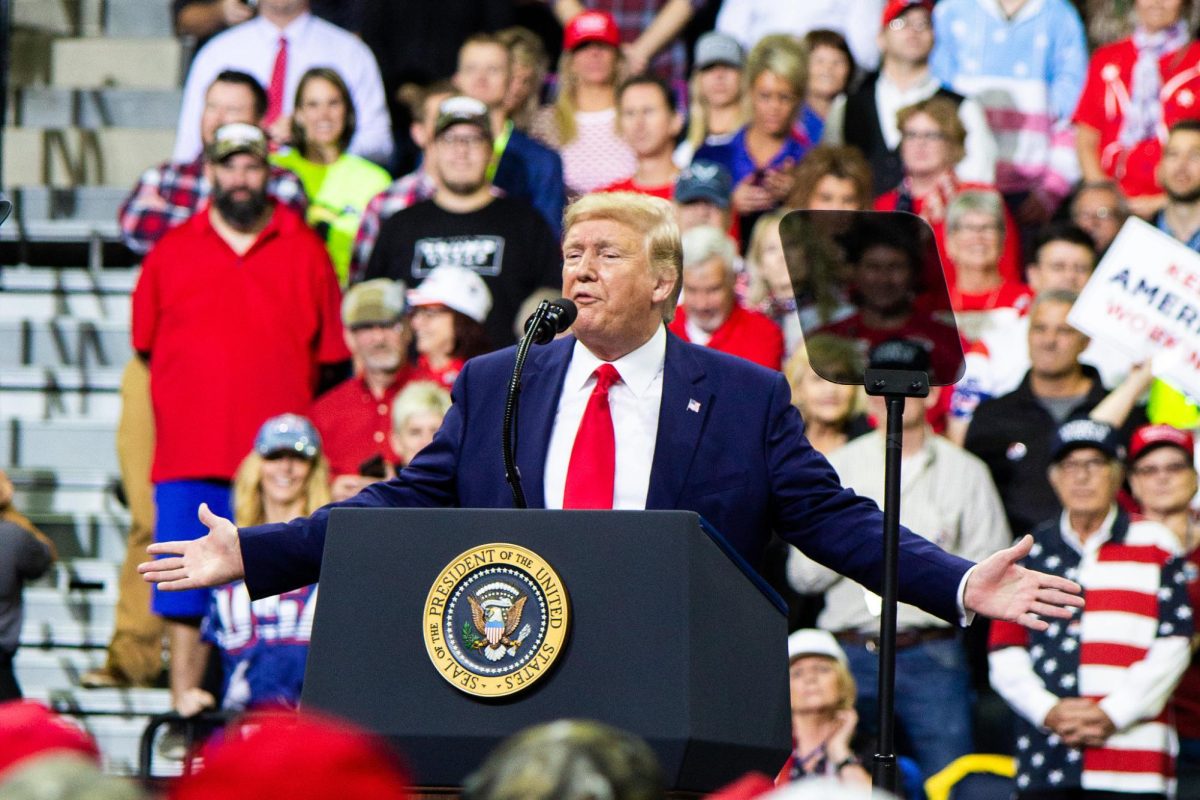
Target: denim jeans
<point x="933" y="699"/>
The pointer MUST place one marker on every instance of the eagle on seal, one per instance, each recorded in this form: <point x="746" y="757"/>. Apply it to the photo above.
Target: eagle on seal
<point x="496" y="623"/>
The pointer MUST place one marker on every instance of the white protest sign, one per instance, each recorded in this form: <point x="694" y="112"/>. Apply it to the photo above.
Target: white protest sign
<point x="1144" y="302"/>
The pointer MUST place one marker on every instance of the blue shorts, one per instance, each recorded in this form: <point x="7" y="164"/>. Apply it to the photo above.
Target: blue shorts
<point x="176" y="503"/>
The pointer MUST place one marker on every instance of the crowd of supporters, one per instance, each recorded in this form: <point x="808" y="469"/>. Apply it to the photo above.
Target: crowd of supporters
<point x="357" y="204"/>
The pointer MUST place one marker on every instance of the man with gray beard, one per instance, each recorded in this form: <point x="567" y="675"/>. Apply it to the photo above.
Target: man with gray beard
<point x="355" y="417"/>
<point x="236" y="314"/>
<point x="502" y="239"/>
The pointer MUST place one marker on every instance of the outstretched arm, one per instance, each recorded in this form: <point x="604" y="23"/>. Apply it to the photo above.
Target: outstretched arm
<point x="212" y="560"/>
<point x="1000" y="588"/>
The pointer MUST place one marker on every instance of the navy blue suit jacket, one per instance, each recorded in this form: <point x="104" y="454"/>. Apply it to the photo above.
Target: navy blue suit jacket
<point x="741" y="461"/>
<point x="533" y="172"/>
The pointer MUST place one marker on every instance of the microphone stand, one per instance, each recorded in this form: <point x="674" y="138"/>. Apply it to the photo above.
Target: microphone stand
<point x="893" y="385"/>
<point x="512" y="475"/>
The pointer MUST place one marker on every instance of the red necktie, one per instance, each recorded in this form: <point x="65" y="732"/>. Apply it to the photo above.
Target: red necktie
<point x="278" y="79"/>
<point x="591" y="473"/>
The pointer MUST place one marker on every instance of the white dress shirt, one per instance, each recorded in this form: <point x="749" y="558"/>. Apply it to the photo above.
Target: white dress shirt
<point x="857" y="20"/>
<point x="312" y="42"/>
<point x="634" y="401"/>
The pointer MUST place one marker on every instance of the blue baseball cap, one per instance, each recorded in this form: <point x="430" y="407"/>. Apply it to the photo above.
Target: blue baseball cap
<point x="704" y="180"/>
<point x="1080" y="433"/>
<point x="288" y="433"/>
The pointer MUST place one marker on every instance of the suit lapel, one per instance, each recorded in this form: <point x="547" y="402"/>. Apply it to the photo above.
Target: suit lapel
<point x="686" y="404"/>
<point x="541" y="387"/>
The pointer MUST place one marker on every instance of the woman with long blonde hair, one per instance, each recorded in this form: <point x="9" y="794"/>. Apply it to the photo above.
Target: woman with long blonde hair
<point x="717" y="110"/>
<point x="582" y="123"/>
<point x="263" y="643"/>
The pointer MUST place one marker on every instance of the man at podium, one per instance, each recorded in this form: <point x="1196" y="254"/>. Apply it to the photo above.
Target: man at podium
<point x="624" y="415"/>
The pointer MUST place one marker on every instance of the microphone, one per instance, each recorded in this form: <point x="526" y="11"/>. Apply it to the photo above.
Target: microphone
<point x="551" y="318"/>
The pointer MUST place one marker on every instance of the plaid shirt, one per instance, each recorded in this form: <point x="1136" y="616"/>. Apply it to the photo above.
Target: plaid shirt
<point x="404" y="192"/>
<point x="633" y="17"/>
<point x="168" y="194"/>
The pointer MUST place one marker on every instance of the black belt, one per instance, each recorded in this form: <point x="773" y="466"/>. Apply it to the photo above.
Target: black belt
<point x="909" y="637"/>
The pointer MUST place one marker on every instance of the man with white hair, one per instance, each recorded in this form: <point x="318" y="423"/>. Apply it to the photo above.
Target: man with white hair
<point x="710" y="314"/>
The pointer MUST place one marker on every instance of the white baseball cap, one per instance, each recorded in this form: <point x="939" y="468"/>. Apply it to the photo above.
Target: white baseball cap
<point x="814" y="642"/>
<point x="454" y="287"/>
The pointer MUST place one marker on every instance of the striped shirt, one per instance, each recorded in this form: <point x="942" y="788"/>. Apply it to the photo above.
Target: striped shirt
<point x="1126" y="651"/>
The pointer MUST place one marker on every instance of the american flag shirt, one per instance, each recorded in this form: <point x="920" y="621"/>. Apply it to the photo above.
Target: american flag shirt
<point x="1125" y="650"/>
<point x="170" y="193"/>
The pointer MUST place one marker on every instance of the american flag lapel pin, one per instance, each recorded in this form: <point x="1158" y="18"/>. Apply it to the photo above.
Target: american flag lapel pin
<point x="694" y="406"/>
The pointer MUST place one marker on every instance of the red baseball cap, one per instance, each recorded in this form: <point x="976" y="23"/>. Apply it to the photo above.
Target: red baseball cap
<point x="591" y="26"/>
<point x="299" y="756"/>
<point x="895" y="8"/>
<point x="1149" y="437"/>
<point x="30" y="729"/>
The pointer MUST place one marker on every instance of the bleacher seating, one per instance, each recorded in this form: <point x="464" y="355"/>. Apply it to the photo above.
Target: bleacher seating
<point x="59" y="404"/>
<point x="94" y="94"/>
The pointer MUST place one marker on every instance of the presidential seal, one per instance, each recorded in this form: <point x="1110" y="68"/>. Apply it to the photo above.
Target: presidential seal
<point x="495" y="620"/>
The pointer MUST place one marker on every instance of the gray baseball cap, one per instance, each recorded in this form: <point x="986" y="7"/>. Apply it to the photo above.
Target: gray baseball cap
<point x="716" y="48"/>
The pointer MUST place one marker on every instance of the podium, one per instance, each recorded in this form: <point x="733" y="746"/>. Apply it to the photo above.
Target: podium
<point x="669" y="634"/>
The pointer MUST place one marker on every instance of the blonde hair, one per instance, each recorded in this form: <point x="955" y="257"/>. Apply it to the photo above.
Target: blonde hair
<point x="759" y="291"/>
<point x="247" y="490"/>
<point x="653" y="216"/>
<point x="697" y="129"/>
<point x="781" y="54"/>
<point x="416" y="398"/>
<point x="564" y="103"/>
<point x="527" y="50"/>
<point x="830" y="350"/>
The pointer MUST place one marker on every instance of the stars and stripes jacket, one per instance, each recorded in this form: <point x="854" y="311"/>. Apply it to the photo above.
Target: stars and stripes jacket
<point x="1126" y="650"/>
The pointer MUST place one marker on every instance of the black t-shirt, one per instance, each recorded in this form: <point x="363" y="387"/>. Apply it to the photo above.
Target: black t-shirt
<point x="507" y="243"/>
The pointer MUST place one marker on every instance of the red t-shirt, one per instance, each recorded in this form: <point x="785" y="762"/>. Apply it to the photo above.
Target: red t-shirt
<point x="354" y="424"/>
<point x="666" y="192"/>
<point x="423" y="371"/>
<point x="941" y="341"/>
<point x="1010" y="294"/>
<point x="1010" y="257"/>
<point x="233" y="340"/>
<point x="1106" y="95"/>
<point x="748" y="334"/>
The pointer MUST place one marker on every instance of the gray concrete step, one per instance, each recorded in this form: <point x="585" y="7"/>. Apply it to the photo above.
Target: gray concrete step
<point x="95" y="204"/>
<point x="83" y="535"/>
<point x="64" y="341"/>
<point x="97" y="62"/>
<point x="45" y="393"/>
<point x="59" y="443"/>
<point x="36" y="305"/>
<point x="57" y="156"/>
<point x="67" y="281"/>
<point x="50" y="107"/>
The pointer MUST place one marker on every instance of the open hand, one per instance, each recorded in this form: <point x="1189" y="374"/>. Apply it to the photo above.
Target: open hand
<point x="212" y="560"/>
<point x="1000" y="588"/>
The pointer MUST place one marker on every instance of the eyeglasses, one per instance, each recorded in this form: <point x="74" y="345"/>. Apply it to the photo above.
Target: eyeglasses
<point x="917" y="24"/>
<point x="460" y="140"/>
<point x="1094" y="215"/>
<point x="924" y="136"/>
<point x="980" y="228"/>
<point x="1083" y="466"/>
<point x="1154" y="470"/>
